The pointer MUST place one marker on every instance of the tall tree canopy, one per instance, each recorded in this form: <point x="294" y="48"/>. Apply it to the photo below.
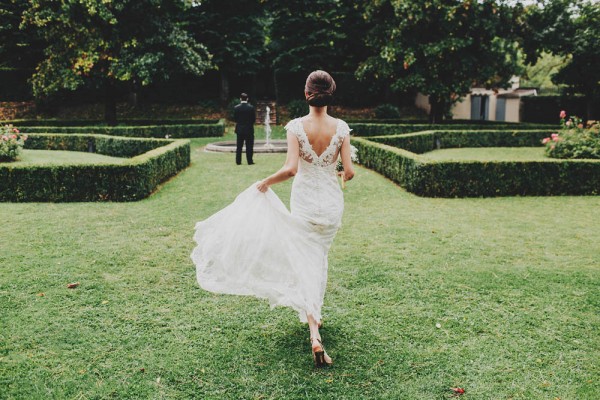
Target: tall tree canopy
<point x="319" y="34"/>
<point x="441" y="47"/>
<point x="570" y="28"/>
<point x="100" y="43"/>
<point x="19" y="48"/>
<point x="234" y="31"/>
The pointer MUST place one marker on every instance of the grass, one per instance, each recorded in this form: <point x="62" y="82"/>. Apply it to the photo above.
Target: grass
<point x="498" y="296"/>
<point x="489" y="154"/>
<point x="29" y="157"/>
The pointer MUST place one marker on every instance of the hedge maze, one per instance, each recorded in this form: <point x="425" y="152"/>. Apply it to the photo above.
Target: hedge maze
<point x="151" y="161"/>
<point x="400" y="158"/>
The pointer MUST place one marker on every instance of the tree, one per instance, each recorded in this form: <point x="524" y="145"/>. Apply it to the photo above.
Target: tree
<point x="319" y="34"/>
<point x="441" y="47"/>
<point x="571" y="29"/>
<point x="234" y="33"/>
<point x="19" y="48"/>
<point x="103" y="44"/>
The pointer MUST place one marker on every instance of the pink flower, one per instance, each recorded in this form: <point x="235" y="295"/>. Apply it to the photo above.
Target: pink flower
<point x="569" y="123"/>
<point x="545" y="140"/>
<point x="563" y="114"/>
<point x="552" y="147"/>
<point x="554" y="136"/>
<point x="15" y="130"/>
<point x="13" y="136"/>
<point x="5" y="138"/>
<point x="580" y="126"/>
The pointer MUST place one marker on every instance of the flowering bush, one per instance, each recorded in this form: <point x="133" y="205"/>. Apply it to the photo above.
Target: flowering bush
<point x="11" y="143"/>
<point x="574" y="140"/>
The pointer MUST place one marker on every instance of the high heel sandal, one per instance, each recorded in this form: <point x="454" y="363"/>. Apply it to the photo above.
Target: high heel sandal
<point x="320" y="357"/>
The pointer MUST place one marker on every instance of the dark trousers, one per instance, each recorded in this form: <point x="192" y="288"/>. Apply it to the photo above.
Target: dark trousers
<point x="249" y="139"/>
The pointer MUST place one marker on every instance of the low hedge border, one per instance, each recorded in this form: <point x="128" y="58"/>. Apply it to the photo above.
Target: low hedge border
<point x="148" y="131"/>
<point x="429" y="178"/>
<point x="379" y="129"/>
<point x="152" y="162"/>
<point x="422" y="142"/>
<point x="98" y="122"/>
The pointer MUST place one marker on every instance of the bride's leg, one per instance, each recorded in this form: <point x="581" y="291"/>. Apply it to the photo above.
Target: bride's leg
<point x="315" y="336"/>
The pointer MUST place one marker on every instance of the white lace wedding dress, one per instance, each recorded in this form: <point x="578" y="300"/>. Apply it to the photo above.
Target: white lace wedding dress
<point x="255" y="246"/>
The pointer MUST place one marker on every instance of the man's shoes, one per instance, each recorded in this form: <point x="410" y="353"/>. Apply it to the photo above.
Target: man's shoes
<point x="251" y="163"/>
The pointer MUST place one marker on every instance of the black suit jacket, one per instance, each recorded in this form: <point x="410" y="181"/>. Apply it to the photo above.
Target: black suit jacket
<point x="244" y="115"/>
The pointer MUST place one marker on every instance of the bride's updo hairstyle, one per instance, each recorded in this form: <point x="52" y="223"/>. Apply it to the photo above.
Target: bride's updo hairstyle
<point x="320" y="87"/>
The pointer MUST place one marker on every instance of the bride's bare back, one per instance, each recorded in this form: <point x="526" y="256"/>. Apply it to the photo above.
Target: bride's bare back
<point x="319" y="132"/>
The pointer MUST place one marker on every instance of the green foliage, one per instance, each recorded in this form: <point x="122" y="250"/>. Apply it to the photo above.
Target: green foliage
<point x="441" y="48"/>
<point x="100" y="43"/>
<point x="123" y="122"/>
<point x="20" y="46"/>
<point x="11" y="142"/>
<point x="568" y="28"/>
<point x="387" y="111"/>
<point x="156" y="131"/>
<point x="321" y="34"/>
<point x="379" y="129"/>
<point x="395" y="157"/>
<point x="234" y="33"/>
<point x="153" y="162"/>
<point x="297" y="108"/>
<point x="574" y="140"/>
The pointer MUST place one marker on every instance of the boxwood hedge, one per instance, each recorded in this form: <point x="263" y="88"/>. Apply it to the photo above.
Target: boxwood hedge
<point x="152" y="161"/>
<point x="398" y="158"/>
<point x="161" y="130"/>
<point x="379" y="129"/>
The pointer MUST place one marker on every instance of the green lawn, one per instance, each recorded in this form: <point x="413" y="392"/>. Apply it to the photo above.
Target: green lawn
<point x="29" y="157"/>
<point x="489" y="154"/>
<point x="498" y="296"/>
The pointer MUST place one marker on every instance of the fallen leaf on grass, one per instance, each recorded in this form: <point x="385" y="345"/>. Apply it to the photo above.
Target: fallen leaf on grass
<point x="73" y="285"/>
<point x="104" y="301"/>
<point x="41" y="294"/>
<point x="458" y="391"/>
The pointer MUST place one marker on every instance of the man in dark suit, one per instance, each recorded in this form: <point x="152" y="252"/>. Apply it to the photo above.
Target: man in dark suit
<point x="244" y="115"/>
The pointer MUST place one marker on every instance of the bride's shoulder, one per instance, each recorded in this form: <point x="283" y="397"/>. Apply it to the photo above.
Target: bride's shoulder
<point x="343" y="127"/>
<point x="292" y="124"/>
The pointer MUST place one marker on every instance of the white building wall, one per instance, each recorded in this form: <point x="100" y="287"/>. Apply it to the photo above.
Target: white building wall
<point x="462" y="108"/>
<point x="512" y="109"/>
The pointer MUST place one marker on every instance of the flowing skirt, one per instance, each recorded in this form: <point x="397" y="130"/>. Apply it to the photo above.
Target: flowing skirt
<point x="255" y="246"/>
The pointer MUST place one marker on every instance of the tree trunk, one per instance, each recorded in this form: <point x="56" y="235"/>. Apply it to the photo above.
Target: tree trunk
<point x="436" y="113"/>
<point x="224" y="88"/>
<point x="589" y="106"/>
<point x="110" y="103"/>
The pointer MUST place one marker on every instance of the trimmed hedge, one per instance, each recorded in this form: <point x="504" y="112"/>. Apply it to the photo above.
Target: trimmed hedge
<point x="377" y="129"/>
<point x="94" y="122"/>
<point x="422" y="142"/>
<point x="153" y="161"/>
<point x="147" y="131"/>
<point x="425" y="177"/>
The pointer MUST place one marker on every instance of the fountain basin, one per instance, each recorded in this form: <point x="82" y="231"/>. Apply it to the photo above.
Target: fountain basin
<point x="228" y="146"/>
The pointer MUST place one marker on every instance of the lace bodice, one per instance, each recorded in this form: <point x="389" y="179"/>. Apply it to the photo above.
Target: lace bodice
<point x="307" y="153"/>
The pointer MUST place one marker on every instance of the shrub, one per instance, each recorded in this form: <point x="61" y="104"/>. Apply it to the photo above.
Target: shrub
<point x="424" y="177"/>
<point x="152" y="162"/>
<point x="11" y="143"/>
<point x="155" y="131"/>
<point x="297" y="108"/>
<point x="573" y="140"/>
<point x="379" y="129"/>
<point x="386" y="111"/>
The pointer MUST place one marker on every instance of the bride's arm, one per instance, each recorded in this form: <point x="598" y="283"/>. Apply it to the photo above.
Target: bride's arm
<point x="288" y="170"/>
<point x="348" y="172"/>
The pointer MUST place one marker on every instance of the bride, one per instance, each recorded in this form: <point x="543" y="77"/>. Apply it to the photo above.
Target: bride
<point x="255" y="246"/>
